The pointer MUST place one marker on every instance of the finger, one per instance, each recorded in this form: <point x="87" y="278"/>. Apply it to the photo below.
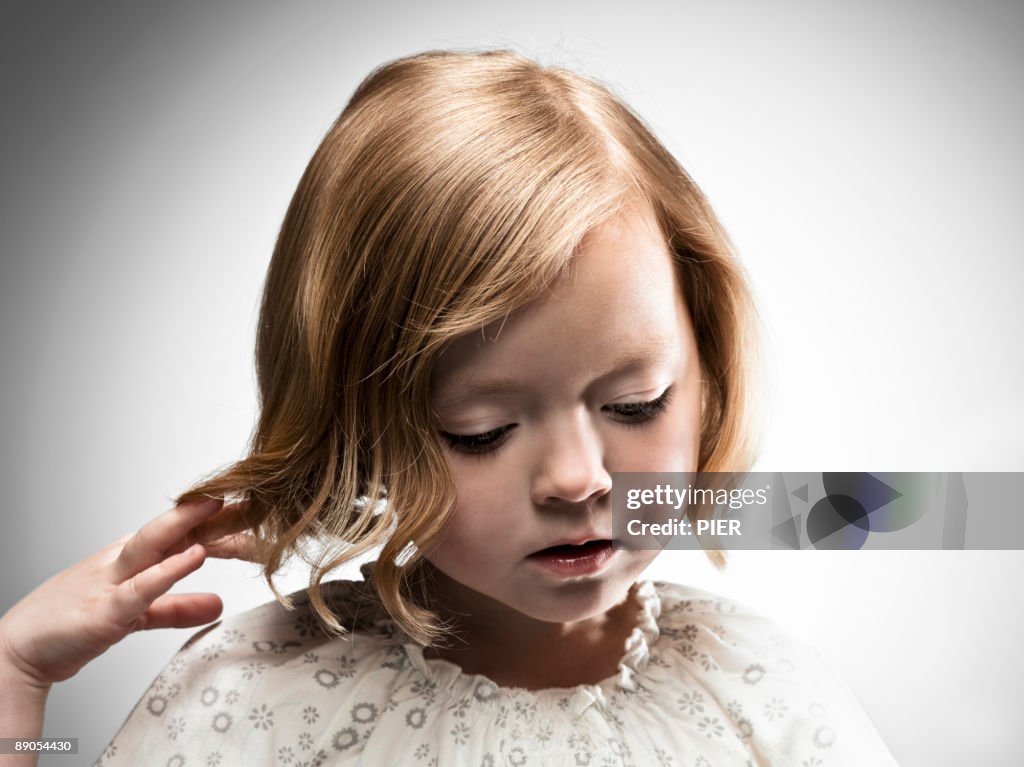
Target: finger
<point x="239" y="546"/>
<point x="154" y="541"/>
<point x="177" y="611"/>
<point x="231" y="519"/>
<point x="135" y="595"/>
<point x="113" y="550"/>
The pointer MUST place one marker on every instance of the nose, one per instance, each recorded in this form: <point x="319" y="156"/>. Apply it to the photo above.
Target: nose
<point x="570" y="465"/>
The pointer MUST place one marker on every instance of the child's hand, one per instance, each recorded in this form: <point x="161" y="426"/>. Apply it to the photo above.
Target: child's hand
<point x="79" y="613"/>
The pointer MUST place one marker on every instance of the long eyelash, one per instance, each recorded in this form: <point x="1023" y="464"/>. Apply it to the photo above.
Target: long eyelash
<point x="479" y="445"/>
<point x="487" y="444"/>
<point x="642" y="412"/>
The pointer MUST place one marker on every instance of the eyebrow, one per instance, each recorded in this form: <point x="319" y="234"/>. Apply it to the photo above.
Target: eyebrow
<point x="655" y="350"/>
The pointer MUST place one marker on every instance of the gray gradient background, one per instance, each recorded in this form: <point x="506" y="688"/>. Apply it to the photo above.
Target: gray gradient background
<point x="866" y="158"/>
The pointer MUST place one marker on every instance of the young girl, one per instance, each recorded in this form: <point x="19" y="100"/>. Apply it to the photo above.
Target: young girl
<point x="492" y="289"/>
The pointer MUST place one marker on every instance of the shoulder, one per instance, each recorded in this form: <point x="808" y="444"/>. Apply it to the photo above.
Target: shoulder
<point x="686" y="609"/>
<point x="732" y="668"/>
<point x="273" y="629"/>
<point x="282" y="644"/>
<point x="271" y="640"/>
<point x="250" y="676"/>
<point x="729" y="636"/>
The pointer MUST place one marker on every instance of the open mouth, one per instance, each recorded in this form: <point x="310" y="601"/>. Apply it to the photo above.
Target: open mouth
<point x="568" y="550"/>
<point x="567" y="560"/>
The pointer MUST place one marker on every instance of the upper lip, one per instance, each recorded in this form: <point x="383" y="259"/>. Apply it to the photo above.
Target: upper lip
<point x="576" y="540"/>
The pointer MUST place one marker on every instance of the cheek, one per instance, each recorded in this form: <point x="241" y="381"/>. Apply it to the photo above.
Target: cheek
<point x="670" y="443"/>
<point x="483" y="487"/>
<point x="483" y="513"/>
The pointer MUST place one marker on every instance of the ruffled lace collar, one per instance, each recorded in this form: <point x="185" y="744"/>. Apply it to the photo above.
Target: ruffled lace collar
<point x="631" y="667"/>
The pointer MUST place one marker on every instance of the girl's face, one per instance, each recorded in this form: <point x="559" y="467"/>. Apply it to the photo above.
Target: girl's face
<point x="537" y="411"/>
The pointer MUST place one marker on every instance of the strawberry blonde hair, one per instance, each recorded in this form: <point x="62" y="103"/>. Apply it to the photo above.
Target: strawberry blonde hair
<point x="452" y="190"/>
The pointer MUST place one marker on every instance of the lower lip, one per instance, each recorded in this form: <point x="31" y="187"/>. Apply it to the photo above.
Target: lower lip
<point x="589" y="560"/>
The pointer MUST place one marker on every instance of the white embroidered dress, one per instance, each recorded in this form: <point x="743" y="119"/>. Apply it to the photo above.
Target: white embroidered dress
<point x="703" y="683"/>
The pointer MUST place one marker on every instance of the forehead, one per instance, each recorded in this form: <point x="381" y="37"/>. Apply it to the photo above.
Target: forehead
<point x="618" y="303"/>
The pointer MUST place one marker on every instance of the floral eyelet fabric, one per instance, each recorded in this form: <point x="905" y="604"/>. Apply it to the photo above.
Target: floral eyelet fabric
<point x="703" y="682"/>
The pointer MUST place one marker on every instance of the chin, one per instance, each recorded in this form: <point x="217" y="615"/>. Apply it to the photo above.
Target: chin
<point x="575" y="601"/>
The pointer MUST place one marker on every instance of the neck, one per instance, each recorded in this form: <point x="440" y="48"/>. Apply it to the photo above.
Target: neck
<point x="516" y="650"/>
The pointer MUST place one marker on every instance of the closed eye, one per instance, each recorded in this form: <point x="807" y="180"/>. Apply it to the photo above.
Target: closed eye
<point x="638" y="413"/>
<point x="629" y="414"/>
<point x="478" y="443"/>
